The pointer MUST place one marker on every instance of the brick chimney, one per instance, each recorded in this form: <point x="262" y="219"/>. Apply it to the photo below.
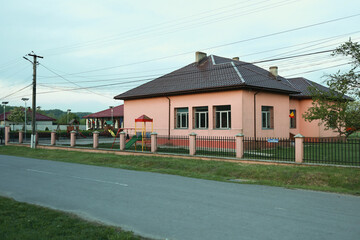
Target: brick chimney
<point x="199" y="56"/>
<point x="236" y="58"/>
<point x="274" y="71"/>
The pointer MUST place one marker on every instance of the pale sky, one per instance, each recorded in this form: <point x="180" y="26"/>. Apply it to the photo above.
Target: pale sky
<point x="109" y="47"/>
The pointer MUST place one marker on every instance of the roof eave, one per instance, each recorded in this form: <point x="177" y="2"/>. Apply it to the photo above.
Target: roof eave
<point x="205" y="90"/>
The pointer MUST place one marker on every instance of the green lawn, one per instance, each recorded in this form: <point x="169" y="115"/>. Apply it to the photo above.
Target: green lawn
<point x="25" y="221"/>
<point x="331" y="179"/>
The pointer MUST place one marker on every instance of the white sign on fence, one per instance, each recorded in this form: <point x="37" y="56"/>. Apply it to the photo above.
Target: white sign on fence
<point x="273" y="140"/>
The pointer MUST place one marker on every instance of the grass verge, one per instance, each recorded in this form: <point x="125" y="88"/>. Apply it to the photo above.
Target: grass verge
<point x="320" y="178"/>
<point x="26" y="221"/>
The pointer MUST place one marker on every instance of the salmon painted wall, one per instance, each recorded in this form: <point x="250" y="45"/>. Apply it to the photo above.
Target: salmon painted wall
<point x="157" y="108"/>
<point x="305" y="128"/>
<point x="280" y="104"/>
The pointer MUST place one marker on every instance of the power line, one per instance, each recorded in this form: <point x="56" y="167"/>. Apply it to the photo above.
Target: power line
<point x="223" y="45"/>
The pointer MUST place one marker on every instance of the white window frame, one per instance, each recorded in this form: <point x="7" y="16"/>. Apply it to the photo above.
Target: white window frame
<point x="179" y="116"/>
<point x="220" y="119"/>
<point x="266" y="114"/>
<point x="199" y="115"/>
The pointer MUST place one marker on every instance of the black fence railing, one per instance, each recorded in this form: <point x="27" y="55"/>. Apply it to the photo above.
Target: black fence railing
<point x="278" y="149"/>
<point x="215" y="146"/>
<point x="339" y="151"/>
<point x="2" y="135"/>
<point x="173" y="144"/>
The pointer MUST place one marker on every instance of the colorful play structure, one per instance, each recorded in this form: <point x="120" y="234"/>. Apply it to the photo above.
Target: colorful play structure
<point x="140" y="133"/>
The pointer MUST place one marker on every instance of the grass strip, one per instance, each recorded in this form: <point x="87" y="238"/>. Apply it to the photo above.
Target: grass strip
<point x="26" y="221"/>
<point x="320" y="178"/>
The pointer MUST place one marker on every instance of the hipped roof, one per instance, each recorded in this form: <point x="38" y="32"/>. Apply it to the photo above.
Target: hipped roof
<point x="213" y="73"/>
<point x="117" y="112"/>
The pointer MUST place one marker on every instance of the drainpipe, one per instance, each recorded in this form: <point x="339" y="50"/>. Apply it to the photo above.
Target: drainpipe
<point x="169" y="118"/>
<point x="255" y="114"/>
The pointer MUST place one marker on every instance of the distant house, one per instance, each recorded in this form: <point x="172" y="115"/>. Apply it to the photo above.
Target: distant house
<point x="217" y="96"/>
<point x="40" y="119"/>
<point x="112" y="116"/>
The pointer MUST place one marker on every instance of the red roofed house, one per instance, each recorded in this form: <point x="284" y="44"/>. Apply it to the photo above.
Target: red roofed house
<point x="40" y="119"/>
<point x="112" y="116"/>
<point x="217" y="96"/>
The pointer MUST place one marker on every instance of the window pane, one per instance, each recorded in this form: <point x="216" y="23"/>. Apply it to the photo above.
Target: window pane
<point x="202" y="120"/>
<point x="264" y="120"/>
<point x="217" y="125"/>
<point x="184" y="120"/>
<point x="223" y="108"/>
<point x="197" y="120"/>
<point x="224" y="119"/>
<point x="181" y="110"/>
<point x="178" y="120"/>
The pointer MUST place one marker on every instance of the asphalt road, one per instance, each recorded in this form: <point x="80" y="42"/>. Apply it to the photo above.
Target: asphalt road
<point x="164" y="206"/>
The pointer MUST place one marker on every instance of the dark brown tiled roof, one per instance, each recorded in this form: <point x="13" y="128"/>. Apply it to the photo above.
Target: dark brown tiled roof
<point x="213" y="73"/>
<point x="304" y="85"/>
<point x="117" y="112"/>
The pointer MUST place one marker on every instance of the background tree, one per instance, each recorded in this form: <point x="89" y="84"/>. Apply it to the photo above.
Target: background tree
<point x="334" y="108"/>
<point x="64" y="118"/>
<point x="352" y="77"/>
<point x="17" y="115"/>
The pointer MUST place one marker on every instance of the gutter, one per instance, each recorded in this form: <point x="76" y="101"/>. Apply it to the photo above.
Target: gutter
<point x="169" y="117"/>
<point x="255" y="113"/>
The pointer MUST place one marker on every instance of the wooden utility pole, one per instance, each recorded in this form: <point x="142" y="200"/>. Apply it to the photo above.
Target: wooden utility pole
<point x="33" y="121"/>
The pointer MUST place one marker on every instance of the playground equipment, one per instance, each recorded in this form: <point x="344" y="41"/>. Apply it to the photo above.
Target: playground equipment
<point x="143" y="135"/>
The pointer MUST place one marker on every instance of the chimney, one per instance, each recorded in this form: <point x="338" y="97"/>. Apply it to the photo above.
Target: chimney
<point x="236" y="58"/>
<point x="274" y="71"/>
<point x="199" y="56"/>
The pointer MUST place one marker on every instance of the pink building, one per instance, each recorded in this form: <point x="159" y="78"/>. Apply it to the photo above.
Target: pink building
<point x="216" y="96"/>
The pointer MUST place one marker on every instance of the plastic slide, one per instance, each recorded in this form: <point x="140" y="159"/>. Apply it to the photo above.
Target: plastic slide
<point x="112" y="133"/>
<point x="132" y="141"/>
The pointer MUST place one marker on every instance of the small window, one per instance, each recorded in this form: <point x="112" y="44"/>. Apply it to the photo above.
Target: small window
<point x="201" y="117"/>
<point x="267" y="117"/>
<point x="292" y="118"/>
<point x="223" y="117"/>
<point x="182" y="117"/>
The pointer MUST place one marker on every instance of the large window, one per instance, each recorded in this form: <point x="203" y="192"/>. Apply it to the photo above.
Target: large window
<point x="182" y="117"/>
<point x="267" y="117"/>
<point x="223" y="117"/>
<point x="201" y="117"/>
<point x="292" y="118"/>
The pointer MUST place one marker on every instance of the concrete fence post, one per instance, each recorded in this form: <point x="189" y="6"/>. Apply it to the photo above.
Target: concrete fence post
<point x="21" y="136"/>
<point x="72" y="138"/>
<point x="122" y="141"/>
<point x="53" y="137"/>
<point x="192" y="143"/>
<point x="154" y="142"/>
<point x="7" y="135"/>
<point x="299" y="148"/>
<point x="95" y="139"/>
<point x="239" y="142"/>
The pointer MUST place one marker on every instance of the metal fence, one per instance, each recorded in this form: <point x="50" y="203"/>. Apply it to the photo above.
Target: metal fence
<point x="339" y="151"/>
<point x="278" y="149"/>
<point x="2" y="135"/>
<point x="173" y="144"/>
<point x="215" y="146"/>
<point x="44" y="138"/>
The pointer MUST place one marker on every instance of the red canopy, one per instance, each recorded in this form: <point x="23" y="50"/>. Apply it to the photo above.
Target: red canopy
<point x="143" y="118"/>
